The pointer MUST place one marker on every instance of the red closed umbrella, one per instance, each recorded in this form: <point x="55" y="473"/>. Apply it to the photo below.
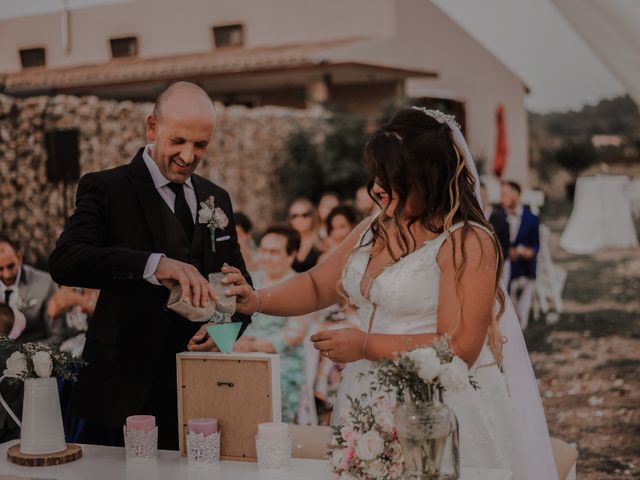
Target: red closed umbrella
<point x="500" y="158"/>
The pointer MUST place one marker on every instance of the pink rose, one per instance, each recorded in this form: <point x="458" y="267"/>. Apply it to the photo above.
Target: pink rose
<point x="349" y="434"/>
<point x="347" y="457"/>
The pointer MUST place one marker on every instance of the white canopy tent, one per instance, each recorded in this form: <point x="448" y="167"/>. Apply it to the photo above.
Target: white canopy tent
<point x="601" y="216"/>
<point x="612" y="29"/>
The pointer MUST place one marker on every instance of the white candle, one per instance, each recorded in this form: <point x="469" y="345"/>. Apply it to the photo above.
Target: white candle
<point x="273" y="432"/>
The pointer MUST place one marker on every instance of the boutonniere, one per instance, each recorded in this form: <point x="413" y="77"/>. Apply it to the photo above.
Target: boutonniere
<point x="24" y="305"/>
<point x="213" y="218"/>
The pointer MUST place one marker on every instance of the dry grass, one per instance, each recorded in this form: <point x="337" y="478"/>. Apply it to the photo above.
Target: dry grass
<point x="588" y="362"/>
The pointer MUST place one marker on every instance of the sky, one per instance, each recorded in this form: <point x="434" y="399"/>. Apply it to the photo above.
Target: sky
<point x="530" y="36"/>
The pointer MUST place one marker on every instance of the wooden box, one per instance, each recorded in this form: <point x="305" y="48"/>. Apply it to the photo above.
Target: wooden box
<point x="241" y="390"/>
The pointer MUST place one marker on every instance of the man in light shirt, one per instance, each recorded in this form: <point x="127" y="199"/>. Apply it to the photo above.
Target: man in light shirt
<point x="27" y="291"/>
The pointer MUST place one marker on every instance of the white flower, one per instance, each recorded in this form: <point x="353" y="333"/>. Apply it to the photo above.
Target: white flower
<point x="16" y="365"/>
<point x="336" y="457"/>
<point x="384" y="404"/>
<point x="369" y="446"/>
<point x="455" y="375"/>
<point x="384" y="420"/>
<point x="205" y="214"/>
<point x="376" y="469"/>
<point x="427" y="363"/>
<point x="42" y="364"/>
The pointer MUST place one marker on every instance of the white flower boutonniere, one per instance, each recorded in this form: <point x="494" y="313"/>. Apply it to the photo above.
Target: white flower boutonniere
<point x="213" y="218"/>
<point x="24" y="305"/>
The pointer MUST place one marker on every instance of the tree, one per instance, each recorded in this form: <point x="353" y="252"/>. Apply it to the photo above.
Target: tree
<point x="576" y="156"/>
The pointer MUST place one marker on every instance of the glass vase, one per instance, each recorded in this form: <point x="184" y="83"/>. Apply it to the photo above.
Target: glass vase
<point x="428" y="435"/>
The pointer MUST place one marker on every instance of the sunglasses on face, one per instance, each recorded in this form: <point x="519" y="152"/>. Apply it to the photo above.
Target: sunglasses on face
<point x="293" y="216"/>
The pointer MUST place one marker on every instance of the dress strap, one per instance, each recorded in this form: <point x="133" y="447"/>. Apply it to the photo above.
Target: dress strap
<point x="439" y="241"/>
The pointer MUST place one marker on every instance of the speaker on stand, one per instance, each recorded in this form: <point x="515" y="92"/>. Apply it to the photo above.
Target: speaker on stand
<point x="63" y="159"/>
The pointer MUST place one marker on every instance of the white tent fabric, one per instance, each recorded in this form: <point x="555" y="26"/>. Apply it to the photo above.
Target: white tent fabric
<point x="612" y="29"/>
<point x="601" y="216"/>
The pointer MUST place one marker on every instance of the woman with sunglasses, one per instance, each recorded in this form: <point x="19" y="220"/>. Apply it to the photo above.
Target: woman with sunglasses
<point x="304" y="219"/>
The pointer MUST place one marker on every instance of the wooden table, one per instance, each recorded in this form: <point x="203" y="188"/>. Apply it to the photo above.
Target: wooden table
<point x="109" y="463"/>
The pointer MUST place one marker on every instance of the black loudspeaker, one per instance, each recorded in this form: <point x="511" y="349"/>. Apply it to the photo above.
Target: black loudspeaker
<point x="63" y="155"/>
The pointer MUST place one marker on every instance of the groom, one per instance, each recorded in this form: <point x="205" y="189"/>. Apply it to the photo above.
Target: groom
<point x="135" y="232"/>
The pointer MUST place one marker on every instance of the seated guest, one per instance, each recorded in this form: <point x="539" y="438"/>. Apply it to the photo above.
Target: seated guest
<point x="364" y="203"/>
<point x="328" y="201"/>
<point x="244" y="229"/>
<point x="283" y="335"/>
<point x="341" y="220"/>
<point x="10" y="391"/>
<point x="76" y="305"/>
<point x="12" y="322"/>
<point x="303" y="218"/>
<point x="28" y="290"/>
<point x="524" y="246"/>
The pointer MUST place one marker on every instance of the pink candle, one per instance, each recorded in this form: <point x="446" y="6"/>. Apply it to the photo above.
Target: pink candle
<point x="145" y="423"/>
<point x="273" y="432"/>
<point x="206" y="426"/>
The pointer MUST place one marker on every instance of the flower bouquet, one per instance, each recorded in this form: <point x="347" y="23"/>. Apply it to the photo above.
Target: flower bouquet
<point x="366" y="445"/>
<point x="427" y="427"/>
<point x="38" y="365"/>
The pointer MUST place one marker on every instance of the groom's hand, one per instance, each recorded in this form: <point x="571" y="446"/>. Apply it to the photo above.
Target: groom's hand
<point x="195" y="288"/>
<point x="202" y="342"/>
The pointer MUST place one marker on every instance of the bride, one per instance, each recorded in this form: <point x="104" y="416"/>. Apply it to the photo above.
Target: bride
<point x="426" y="266"/>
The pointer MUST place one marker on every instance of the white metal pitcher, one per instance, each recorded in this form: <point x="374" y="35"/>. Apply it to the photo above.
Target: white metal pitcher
<point x="42" y="429"/>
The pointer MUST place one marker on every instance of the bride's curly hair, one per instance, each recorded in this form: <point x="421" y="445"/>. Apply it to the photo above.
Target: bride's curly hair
<point x="416" y="153"/>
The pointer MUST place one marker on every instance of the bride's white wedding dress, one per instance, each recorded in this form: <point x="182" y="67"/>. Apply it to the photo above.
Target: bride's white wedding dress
<point x="405" y="295"/>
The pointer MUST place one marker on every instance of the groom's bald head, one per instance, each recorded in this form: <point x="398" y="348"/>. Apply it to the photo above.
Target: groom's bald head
<point x="180" y="127"/>
<point x="181" y="96"/>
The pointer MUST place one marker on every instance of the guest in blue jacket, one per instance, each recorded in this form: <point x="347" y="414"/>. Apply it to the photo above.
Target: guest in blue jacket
<point x="524" y="246"/>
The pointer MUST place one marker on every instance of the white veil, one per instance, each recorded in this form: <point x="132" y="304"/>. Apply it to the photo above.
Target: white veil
<point x="532" y="435"/>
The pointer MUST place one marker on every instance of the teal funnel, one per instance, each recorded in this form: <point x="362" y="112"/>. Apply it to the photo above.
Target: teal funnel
<point x="224" y="334"/>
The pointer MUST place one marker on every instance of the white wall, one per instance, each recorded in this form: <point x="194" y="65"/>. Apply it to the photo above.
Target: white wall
<point x="170" y="27"/>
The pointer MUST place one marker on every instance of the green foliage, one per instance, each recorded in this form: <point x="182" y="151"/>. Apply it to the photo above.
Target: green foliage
<point x="333" y="165"/>
<point x="576" y="156"/>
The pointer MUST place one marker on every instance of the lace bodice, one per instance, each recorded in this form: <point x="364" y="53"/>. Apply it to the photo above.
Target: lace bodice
<point x="405" y="293"/>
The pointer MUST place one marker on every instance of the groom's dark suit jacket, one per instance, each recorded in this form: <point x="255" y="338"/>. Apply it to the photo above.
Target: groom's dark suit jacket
<point x="120" y="219"/>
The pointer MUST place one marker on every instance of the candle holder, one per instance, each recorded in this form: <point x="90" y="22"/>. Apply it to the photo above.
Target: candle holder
<point x="140" y="445"/>
<point x="273" y="455"/>
<point x="203" y="450"/>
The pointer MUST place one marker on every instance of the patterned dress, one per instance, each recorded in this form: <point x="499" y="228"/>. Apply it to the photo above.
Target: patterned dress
<point x="279" y="331"/>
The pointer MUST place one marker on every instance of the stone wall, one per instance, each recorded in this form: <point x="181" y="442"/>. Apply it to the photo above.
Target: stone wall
<point x="248" y="148"/>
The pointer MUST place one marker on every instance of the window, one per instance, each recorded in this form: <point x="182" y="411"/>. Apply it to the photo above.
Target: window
<point x="32" y="57"/>
<point x="124" y="47"/>
<point x="228" y="36"/>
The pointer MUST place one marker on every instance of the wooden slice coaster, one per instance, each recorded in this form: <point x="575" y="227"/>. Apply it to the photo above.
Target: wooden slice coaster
<point x="72" y="452"/>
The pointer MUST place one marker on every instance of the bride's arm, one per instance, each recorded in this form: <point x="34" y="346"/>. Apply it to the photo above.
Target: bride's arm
<point x="477" y="287"/>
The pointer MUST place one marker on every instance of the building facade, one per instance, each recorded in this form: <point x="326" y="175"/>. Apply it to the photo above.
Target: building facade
<point x="294" y="53"/>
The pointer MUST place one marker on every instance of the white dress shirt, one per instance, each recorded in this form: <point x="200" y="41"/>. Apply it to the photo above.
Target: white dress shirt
<point x="515" y="219"/>
<point x="15" y="291"/>
<point x="162" y="186"/>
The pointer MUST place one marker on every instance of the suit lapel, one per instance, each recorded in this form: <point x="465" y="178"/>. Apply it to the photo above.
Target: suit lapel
<point x="202" y="193"/>
<point x="150" y="201"/>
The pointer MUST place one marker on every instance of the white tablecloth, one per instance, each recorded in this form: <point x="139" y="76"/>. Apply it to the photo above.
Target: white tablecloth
<point x="108" y="463"/>
<point x="601" y="216"/>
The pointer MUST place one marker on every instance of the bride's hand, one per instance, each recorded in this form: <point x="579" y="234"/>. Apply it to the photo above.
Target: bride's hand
<point x="247" y="300"/>
<point x="342" y="345"/>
